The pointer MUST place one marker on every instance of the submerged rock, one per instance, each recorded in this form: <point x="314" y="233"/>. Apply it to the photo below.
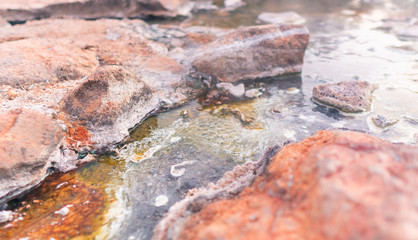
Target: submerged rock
<point x="281" y="18"/>
<point x="310" y="190"/>
<point x="23" y="10"/>
<point x="27" y="141"/>
<point x="384" y="122"/>
<point x="108" y="103"/>
<point x="352" y="97"/>
<point x="254" y="52"/>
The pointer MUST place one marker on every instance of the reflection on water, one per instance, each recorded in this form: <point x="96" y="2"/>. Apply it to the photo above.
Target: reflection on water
<point x="192" y="146"/>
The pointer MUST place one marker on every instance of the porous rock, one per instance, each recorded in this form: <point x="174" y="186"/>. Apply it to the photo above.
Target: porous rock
<point x="108" y="103"/>
<point x="27" y="61"/>
<point x="312" y="190"/>
<point x="349" y="97"/>
<point x="27" y="141"/>
<point x="254" y="52"/>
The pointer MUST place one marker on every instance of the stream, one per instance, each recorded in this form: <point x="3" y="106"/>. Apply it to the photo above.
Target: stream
<point x="123" y="195"/>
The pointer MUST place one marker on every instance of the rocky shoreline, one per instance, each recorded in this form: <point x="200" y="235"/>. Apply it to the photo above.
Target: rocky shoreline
<point x="77" y="77"/>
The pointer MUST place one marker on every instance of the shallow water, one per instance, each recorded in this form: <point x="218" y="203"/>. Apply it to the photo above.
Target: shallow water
<point x="127" y="193"/>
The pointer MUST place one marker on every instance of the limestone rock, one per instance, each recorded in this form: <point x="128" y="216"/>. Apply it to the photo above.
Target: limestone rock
<point x="254" y="52"/>
<point x="350" y="97"/>
<point x="281" y="18"/>
<point x="312" y="190"/>
<point x="27" y="140"/>
<point x="23" y="10"/>
<point x="108" y="103"/>
<point x="27" y="61"/>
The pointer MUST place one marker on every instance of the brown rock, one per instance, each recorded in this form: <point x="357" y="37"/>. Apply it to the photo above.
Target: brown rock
<point x="334" y="185"/>
<point x="108" y="103"/>
<point x="29" y="61"/>
<point x="346" y="96"/>
<point x="254" y="52"/>
<point x="22" y="10"/>
<point x="27" y="140"/>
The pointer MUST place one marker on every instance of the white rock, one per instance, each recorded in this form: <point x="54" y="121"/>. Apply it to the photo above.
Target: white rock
<point x="6" y="216"/>
<point x="178" y="170"/>
<point x="231" y="5"/>
<point x="281" y="18"/>
<point x="236" y="91"/>
<point x="252" y="93"/>
<point x="161" y="200"/>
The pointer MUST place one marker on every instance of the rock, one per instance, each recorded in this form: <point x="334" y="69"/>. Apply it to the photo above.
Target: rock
<point x="254" y="52"/>
<point x="253" y="93"/>
<point x="27" y="142"/>
<point x="23" y="10"/>
<point x="234" y="90"/>
<point x="165" y="64"/>
<point x="27" y="61"/>
<point x="281" y="18"/>
<point x="310" y="190"/>
<point x="383" y="122"/>
<point x="107" y="104"/>
<point x="352" y="97"/>
<point x="11" y="94"/>
<point x="6" y="216"/>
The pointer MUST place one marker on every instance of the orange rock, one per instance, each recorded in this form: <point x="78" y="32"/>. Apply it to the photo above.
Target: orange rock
<point x="334" y="185"/>
<point x="27" y="140"/>
<point x="254" y="52"/>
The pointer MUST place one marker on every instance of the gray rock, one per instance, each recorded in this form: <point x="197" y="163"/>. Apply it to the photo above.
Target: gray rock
<point x="383" y="122"/>
<point x="254" y="52"/>
<point x="352" y="97"/>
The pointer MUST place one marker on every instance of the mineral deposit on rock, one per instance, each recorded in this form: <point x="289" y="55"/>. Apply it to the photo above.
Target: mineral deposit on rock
<point x="312" y="190"/>
<point x="254" y="52"/>
<point x="350" y="97"/>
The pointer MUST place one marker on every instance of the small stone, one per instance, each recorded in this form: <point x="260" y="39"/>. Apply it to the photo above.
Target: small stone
<point x="383" y="122"/>
<point x="236" y="91"/>
<point x="161" y="201"/>
<point x="409" y="32"/>
<point x="281" y="18"/>
<point x="11" y="94"/>
<point x="64" y="211"/>
<point x="175" y="139"/>
<point x="253" y="93"/>
<point x="178" y="170"/>
<point x="292" y="91"/>
<point x="6" y="216"/>
<point x="185" y="113"/>
<point x="348" y="12"/>
<point x="351" y="97"/>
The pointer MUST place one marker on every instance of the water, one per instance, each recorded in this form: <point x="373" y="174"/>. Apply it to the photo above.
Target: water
<point x="123" y="195"/>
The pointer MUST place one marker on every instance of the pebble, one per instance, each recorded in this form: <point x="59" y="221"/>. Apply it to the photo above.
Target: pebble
<point x="235" y="90"/>
<point x="161" y="200"/>
<point x="6" y="216"/>
<point x="253" y="93"/>
<point x="11" y="94"/>
<point x="292" y="90"/>
<point x="384" y="122"/>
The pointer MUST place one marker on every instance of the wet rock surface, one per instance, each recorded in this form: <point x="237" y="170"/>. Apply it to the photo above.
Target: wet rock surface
<point x="349" y="97"/>
<point x="254" y="52"/>
<point x="27" y="141"/>
<point x="108" y="102"/>
<point x="317" y="184"/>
